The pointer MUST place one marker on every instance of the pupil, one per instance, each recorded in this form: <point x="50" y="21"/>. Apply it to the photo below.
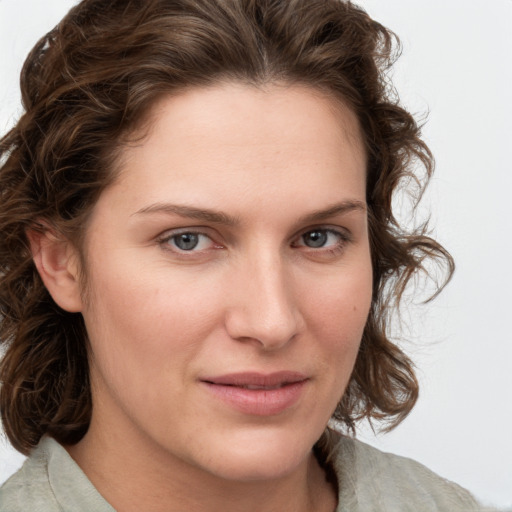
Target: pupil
<point x="316" y="239"/>
<point x="187" y="241"/>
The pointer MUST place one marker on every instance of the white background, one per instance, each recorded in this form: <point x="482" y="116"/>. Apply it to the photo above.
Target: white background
<point x="457" y="65"/>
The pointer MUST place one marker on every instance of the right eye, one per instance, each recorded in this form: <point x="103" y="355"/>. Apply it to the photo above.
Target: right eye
<point x="186" y="241"/>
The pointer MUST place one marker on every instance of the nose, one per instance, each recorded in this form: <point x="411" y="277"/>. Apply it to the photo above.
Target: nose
<point x="263" y="307"/>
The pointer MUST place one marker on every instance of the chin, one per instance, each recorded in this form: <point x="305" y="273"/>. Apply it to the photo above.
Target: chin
<point x="257" y="468"/>
<point x="260" y="457"/>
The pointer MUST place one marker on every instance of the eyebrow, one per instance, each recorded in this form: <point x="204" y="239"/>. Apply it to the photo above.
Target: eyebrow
<point x="333" y="210"/>
<point x="219" y="217"/>
<point x="191" y="212"/>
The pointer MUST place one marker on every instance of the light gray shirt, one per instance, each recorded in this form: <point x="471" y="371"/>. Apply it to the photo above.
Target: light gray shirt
<point x="368" y="480"/>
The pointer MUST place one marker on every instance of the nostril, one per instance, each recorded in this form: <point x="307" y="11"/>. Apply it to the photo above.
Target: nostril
<point x="261" y="306"/>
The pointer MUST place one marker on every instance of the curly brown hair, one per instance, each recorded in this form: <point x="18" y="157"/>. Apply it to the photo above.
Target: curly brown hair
<point x="90" y="81"/>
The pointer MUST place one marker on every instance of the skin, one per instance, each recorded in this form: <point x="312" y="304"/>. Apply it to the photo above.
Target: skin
<point x="253" y="295"/>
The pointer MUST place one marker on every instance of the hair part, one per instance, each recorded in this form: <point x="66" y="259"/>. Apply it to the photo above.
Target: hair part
<point x="86" y="88"/>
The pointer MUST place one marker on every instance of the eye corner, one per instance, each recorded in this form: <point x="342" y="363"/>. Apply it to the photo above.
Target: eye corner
<point x="187" y="242"/>
<point x="330" y="242"/>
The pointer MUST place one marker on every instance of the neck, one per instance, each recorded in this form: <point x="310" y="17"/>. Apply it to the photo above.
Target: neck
<point x="149" y="479"/>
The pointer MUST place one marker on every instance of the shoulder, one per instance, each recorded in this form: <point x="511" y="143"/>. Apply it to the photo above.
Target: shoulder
<point x="369" y="479"/>
<point x="29" y="488"/>
<point x="50" y="481"/>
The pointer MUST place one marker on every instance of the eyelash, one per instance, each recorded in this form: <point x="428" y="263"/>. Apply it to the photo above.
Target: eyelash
<point x="167" y="237"/>
<point x="337" y="248"/>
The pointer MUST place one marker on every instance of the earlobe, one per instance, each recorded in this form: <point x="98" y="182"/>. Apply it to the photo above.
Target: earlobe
<point x="57" y="262"/>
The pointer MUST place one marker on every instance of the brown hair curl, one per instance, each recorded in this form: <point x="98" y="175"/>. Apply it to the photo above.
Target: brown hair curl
<point x="88" y="82"/>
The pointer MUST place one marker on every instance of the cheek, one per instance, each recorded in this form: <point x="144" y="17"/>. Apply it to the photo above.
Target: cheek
<point x="147" y="322"/>
<point x="337" y="314"/>
<point x="340" y="304"/>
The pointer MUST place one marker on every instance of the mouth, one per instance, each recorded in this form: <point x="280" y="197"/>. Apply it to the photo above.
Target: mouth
<point x="256" y="388"/>
<point x="258" y="394"/>
<point x="257" y="381"/>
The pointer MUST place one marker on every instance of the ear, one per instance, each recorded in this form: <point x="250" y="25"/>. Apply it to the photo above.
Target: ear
<point x="57" y="262"/>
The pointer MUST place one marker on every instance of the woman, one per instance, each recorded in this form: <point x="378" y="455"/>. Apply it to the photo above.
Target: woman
<point x="198" y="256"/>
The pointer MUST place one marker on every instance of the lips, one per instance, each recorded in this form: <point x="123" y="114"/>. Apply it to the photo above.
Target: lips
<point x="258" y="394"/>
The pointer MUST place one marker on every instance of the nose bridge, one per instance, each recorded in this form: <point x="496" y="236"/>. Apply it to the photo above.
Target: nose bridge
<point x="264" y="306"/>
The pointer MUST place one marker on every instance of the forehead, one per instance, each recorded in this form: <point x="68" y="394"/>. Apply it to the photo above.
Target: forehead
<point x="265" y="109"/>
<point x="255" y="142"/>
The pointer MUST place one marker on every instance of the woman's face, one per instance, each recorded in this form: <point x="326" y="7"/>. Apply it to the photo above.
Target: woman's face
<point x="229" y="280"/>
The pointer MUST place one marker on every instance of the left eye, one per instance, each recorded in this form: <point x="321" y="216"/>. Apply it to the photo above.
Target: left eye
<point x="318" y="238"/>
<point x="189" y="241"/>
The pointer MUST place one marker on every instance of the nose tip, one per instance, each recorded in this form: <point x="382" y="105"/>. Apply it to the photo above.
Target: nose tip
<point x="264" y="309"/>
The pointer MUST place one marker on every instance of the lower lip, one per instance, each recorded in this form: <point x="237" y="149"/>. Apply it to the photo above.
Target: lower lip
<point x="259" y="402"/>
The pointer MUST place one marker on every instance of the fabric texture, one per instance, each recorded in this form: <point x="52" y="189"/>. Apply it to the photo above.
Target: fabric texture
<point x="368" y="481"/>
<point x="50" y="481"/>
<point x="371" y="480"/>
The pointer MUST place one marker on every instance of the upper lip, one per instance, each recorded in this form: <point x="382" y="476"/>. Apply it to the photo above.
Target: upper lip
<point x="263" y="380"/>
